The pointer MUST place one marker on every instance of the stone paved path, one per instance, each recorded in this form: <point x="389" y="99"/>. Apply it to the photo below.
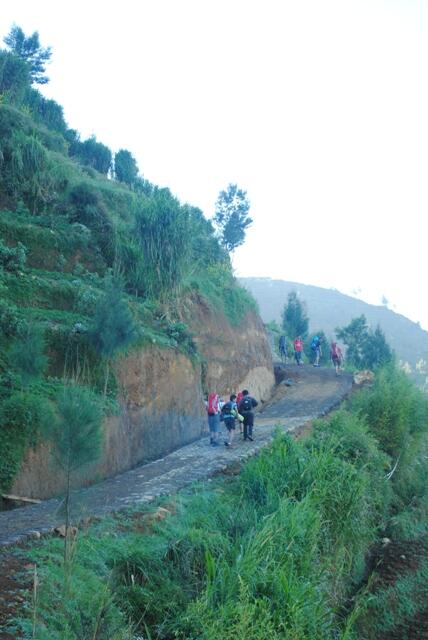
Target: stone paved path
<point x="313" y="393"/>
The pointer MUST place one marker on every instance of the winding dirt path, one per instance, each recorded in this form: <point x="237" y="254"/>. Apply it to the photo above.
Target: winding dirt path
<point x="313" y="392"/>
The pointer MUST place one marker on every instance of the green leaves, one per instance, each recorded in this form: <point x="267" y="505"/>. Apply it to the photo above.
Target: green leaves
<point x="295" y="322"/>
<point x="365" y="348"/>
<point x="30" y="51"/>
<point x="231" y="216"/>
<point x="113" y="327"/>
<point x="76" y="433"/>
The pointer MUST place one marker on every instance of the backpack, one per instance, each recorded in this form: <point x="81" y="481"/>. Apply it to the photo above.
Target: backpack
<point x="239" y="398"/>
<point x="245" y="404"/>
<point x="212" y="407"/>
<point x="315" y="343"/>
<point x="227" y="409"/>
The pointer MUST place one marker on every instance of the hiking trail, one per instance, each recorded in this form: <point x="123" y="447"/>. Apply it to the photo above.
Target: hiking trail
<point x="312" y="393"/>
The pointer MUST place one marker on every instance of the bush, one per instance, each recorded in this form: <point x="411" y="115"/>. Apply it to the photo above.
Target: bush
<point x="23" y="418"/>
<point x="13" y="259"/>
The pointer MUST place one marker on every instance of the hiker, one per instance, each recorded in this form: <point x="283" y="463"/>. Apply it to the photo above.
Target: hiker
<point x="316" y="348"/>
<point x="283" y="348"/>
<point x="213" y="410"/>
<point x="298" y="349"/>
<point x="336" y="356"/>
<point x="238" y="400"/>
<point x="229" y="412"/>
<point x="245" y="408"/>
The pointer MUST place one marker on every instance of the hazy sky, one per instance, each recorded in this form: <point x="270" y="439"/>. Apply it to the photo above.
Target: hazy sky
<point x="318" y="108"/>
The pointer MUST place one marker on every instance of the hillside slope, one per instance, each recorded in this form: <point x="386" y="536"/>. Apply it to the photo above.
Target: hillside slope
<point x="328" y="309"/>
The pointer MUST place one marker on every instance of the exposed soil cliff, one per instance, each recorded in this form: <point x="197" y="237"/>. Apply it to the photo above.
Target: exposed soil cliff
<point x="161" y="398"/>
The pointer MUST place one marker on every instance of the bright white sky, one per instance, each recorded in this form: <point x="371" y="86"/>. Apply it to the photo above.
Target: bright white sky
<point x="319" y="109"/>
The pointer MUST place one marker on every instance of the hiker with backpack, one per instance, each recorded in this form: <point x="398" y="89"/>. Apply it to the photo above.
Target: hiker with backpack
<point x="238" y="400"/>
<point x="229" y="413"/>
<point x="245" y="408"/>
<point x="283" y="348"/>
<point x="298" y="350"/>
<point x="213" y="410"/>
<point x="336" y="356"/>
<point x="316" y="349"/>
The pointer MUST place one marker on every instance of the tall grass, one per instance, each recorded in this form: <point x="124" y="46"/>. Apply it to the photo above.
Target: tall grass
<point x="276" y="552"/>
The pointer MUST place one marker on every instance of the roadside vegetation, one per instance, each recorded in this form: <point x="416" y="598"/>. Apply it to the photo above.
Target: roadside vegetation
<point x="284" y="549"/>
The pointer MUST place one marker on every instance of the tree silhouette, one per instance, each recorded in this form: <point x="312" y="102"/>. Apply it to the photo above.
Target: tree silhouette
<point x="231" y="217"/>
<point x="125" y="167"/>
<point x="295" y="322"/>
<point x="29" y="50"/>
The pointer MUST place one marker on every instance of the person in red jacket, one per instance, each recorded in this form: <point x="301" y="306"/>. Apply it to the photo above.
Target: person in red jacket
<point x="298" y="349"/>
<point x="336" y="356"/>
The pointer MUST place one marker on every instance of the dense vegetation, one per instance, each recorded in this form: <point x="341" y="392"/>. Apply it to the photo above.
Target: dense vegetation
<point x="94" y="259"/>
<point x="282" y="550"/>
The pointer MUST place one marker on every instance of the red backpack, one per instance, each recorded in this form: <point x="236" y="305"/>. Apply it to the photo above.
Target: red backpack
<point x="212" y="406"/>
<point x="239" y="398"/>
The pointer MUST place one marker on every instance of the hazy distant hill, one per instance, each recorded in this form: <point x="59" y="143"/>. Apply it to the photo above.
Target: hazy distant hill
<point x="328" y="309"/>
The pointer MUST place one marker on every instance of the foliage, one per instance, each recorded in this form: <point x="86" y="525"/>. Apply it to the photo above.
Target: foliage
<point x="295" y="321"/>
<point x="396" y="411"/>
<point x="13" y="259"/>
<point x="163" y="231"/>
<point x="23" y="418"/>
<point x="89" y="209"/>
<point x="76" y="437"/>
<point x="46" y="111"/>
<point x="14" y="78"/>
<point x="8" y="319"/>
<point x="113" y="327"/>
<point x="26" y="355"/>
<point x="125" y="167"/>
<point x="93" y="154"/>
<point x="76" y="434"/>
<point x="30" y="51"/>
<point x="231" y="217"/>
<point x="365" y="348"/>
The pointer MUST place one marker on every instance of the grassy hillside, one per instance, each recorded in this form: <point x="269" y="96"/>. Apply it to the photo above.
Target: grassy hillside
<point x="328" y="309"/>
<point x="94" y="260"/>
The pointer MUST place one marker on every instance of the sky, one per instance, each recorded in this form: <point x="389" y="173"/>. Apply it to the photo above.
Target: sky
<point x="318" y="109"/>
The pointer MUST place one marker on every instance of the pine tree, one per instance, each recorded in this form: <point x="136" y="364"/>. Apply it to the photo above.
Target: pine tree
<point x="29" y="50"/>
<point x="231" y="217"/>
<point x="113" y="327"/>
<point x="295" y="322"/>
<point x="76" y="438"/>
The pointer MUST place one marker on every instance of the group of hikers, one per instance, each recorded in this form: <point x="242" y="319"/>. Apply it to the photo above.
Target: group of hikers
<point x="239" y="408"/>
<point x="336" y="355"/>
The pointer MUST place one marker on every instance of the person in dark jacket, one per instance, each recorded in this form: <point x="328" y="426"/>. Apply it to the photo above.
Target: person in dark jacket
<point x="245" y="408"/>
<point x="229" y="412"/>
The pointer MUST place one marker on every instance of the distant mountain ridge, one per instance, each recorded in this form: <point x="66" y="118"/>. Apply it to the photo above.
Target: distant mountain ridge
<point x="328" y="309"/>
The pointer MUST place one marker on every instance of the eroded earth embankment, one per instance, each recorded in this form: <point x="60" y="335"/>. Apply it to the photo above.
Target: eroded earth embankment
<point x="160" y="399"/>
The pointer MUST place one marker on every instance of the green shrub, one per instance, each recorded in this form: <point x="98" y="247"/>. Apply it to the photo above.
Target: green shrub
<point x="13" y="259"/>
<point x="23" y="417"/>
